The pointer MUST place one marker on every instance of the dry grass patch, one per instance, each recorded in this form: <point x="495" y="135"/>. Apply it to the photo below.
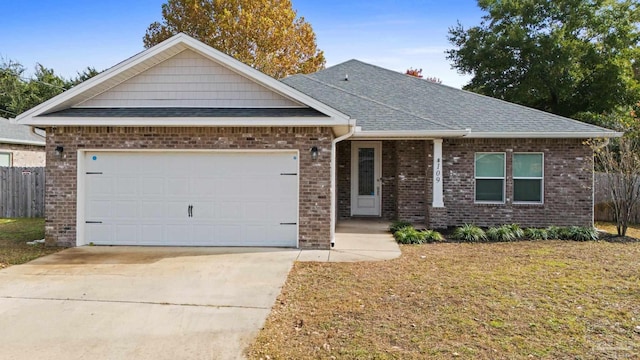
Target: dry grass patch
<point x="542" y="299"/>
<point x="14" y="234"/>
<point x="632" y="232"/>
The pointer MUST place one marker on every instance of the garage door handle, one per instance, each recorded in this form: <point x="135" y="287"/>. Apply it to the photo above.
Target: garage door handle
<point x="190" y="211"/>
<point x="288" y="223"/>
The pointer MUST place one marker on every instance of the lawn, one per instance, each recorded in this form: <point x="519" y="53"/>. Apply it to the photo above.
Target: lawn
<point x="14" y="234"/>
<point x="523" y="300"/>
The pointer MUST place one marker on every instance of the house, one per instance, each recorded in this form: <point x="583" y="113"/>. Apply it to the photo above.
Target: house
<point x="20" y="145"/>
<point x="183" y="145"/>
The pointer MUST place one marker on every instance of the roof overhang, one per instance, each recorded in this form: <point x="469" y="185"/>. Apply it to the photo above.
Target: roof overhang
<point x="409" y="134"/>
<point x="545" y="135"/>
<point x="22" y="142"/>
<point x="186" y="121"/>
<point x="149" y="58"/>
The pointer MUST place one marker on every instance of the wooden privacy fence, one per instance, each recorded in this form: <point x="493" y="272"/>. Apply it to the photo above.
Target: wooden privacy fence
<point x="21" y="192"/>
<point x="602" y="198"/>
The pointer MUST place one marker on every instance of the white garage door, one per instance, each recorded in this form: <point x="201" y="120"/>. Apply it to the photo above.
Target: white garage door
<point x="191" y="198"/>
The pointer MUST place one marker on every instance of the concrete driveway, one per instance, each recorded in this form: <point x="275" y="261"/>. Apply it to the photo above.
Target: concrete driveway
<point x="139" y="302"/>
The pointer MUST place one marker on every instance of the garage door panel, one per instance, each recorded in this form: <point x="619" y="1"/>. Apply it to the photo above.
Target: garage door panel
<point x="100" y="234"/>
<point x="127" y="233"/>
<point x="98" y="209"/>
<point x="153" y="186"/>
<point x="124" y="209"/>
<point x="151" y="234"/>
<point x="203" y="210"/>
<point x="177" y="211"/>
<point x="177" y="234"/>
<point x="152" y="209"/>
<point x="100" y="185"/>
<point x="238" y="198"/>
<point x="177" y="186"/>
<point x="227" y="210"/>
<point x="125" y="186"/>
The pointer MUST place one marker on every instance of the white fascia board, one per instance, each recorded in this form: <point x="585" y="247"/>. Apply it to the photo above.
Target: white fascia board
<point x="408" y="134"/>
<point x="545" y="135"/>
<point x="22" y="142"/>
<point x="180" y="121"/>
<point x="203" y="49"/>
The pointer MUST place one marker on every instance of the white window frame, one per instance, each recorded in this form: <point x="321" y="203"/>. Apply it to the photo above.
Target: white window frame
<point x="503" y="178"/>
<point x="541" y="178"/>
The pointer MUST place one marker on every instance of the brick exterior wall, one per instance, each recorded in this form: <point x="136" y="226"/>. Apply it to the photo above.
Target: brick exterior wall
<point x="314" y="178"/>
<point x="389" y="183"/>
<point x="568" y="183"/>
<point x="412" y="180"/>
<point x="25" y="155"/>
<point x="408" y="172"/>
<point x="343" y="179"/>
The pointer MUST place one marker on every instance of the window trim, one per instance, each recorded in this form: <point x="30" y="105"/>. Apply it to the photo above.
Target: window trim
<point x="476" y="178"/>
<point x="541" y="178"/>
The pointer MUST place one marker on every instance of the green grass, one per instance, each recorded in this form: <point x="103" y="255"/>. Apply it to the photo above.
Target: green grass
<point x="546" y="299"/>
<point x="14" y="235"/>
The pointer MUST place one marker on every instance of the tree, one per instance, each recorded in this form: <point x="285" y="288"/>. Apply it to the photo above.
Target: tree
<point x="561" y="56"/>
<point x="265" y="34"/>
<point x="619" y="159"/>
<point x="18" y="93"/>
<point x="414" y="72"/>
<point x="418" y="73"/>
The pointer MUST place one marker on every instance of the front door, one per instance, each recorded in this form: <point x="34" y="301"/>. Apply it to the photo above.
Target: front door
<point x="366" y="174"/>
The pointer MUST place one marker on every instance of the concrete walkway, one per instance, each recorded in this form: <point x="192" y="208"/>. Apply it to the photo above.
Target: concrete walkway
<point x="357" y="240"/>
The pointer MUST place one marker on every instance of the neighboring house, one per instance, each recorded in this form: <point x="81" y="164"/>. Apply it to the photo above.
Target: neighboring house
<point x="20" y="146"/>
<point x="183" y="145"/>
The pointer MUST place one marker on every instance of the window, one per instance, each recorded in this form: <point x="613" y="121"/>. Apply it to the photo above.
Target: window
<point x="489" y="174"/>
<point x="528" y="177"/>
<point x="5" y="159"/>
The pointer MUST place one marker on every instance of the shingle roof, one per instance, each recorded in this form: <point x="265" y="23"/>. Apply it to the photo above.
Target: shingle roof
<point x="187" y="112"/>
<point x="18" y="134"/>
<point x="385" y="100"/>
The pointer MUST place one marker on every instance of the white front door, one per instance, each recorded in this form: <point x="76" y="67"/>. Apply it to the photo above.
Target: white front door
<point x="366" y="174"/>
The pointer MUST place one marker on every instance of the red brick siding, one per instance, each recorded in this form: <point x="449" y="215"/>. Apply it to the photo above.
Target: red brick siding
<point x="411" y="180"/>
<point x="568" y="183"/>
<point x="314" y="177"/>
<point x="389" y="182"/>
<point x="343" y="178"/>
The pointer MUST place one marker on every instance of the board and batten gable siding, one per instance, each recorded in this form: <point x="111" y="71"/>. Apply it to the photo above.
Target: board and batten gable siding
<point x="188" y="79"/>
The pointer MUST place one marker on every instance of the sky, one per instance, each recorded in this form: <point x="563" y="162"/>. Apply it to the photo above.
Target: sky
<point x="68" y="36"/>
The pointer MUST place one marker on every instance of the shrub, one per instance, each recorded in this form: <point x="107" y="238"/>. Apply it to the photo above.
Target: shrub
<point x="553" y="232"/>
<point x="432" y="236"/>
<point x="409" y="235"/>
<point x="517" y="231"/>
<point x="583" y="233"/>
<point x="501" y="233"/>
<point x="397" y="225"/>
<point x="536" y="234"/>
<point x="565" y="233"/>
<point x="469" y="233"/>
